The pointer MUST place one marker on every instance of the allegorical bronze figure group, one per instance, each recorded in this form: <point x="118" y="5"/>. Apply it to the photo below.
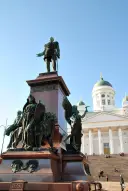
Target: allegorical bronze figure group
<point x="32" y="127"/>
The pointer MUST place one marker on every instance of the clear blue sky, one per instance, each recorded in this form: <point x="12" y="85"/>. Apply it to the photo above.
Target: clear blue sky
<point x="93" y="37"/>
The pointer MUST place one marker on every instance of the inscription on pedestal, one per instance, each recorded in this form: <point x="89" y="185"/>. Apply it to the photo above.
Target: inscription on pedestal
<point x="17" y="186"/>
<point x="44" y="88"/>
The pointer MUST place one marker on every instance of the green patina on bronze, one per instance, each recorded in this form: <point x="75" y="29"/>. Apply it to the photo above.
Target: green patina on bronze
<point x="32" y="127"/>
<point x="30" y="166"/>
<point x="74" y="119"/>
<point x="16" y="166"/>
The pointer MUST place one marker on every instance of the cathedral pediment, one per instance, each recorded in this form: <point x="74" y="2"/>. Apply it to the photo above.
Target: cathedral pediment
<point x="105" y="117"/>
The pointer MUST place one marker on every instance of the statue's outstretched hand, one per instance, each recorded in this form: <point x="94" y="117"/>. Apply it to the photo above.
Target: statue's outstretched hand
<point x="40" y="54"/>
<point x="86" y="107"/>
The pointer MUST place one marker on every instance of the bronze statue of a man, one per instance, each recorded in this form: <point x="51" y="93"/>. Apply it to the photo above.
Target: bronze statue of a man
<point x="15" y="130"/>
<point x="74" y="119"/>
<point x="51" y="53"/>
<point x="29" y="124"/>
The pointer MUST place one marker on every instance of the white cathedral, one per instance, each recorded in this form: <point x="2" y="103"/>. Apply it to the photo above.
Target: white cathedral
<point x="105" y="130"/>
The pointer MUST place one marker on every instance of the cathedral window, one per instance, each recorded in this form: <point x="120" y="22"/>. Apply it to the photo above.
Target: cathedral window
<point x="103" y="101"/>
<point x="106" y="145"/>
<point x="102" y="95"/>
<point x="108" y="102"/>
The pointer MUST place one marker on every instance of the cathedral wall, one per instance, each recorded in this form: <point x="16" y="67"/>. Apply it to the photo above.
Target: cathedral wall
<point x="125" y="143"/>
<point x="116" y="145"/>
<point x="125" y="140"/>
<point x="96" y="146"/>
<point x="86" y="145"/>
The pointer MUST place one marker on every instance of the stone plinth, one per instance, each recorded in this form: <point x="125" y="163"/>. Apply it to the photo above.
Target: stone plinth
<point x="50" y="89"/>
<point x="73" y="168"/>
<point x="48" y="169"/>
<point x="41" y="186"/>
<point x="51" y="167"/>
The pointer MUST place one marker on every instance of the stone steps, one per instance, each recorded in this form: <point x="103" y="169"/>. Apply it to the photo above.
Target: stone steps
<point x="98" y="163"/>
<point x="112" y="186"/>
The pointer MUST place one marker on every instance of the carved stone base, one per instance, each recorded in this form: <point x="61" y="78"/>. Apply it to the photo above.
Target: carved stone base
<point x="41" y="167"/>
<point x="73" y="168"/>
<point x="17" y="185"/>
<point x="30" y="167"/>
<point x="40" y="186"/>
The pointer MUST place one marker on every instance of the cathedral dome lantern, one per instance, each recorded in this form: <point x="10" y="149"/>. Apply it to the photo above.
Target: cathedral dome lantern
<point x="103" y="96"/>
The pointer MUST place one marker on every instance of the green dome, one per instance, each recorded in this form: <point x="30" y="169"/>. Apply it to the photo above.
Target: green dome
<point x="125" y="98"/>
<point x="80" y="103"/>
<point x="102" y="82"/>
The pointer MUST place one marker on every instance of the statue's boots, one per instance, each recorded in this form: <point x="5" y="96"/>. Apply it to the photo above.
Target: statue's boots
<point x="28" y="148"/>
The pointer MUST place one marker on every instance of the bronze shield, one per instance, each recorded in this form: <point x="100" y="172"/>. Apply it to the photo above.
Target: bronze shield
<point x="40" y="110"/>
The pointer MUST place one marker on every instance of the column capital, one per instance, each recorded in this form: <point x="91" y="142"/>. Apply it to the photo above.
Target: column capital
<point x="110" y="130"/>
<point x="120" y="128"/>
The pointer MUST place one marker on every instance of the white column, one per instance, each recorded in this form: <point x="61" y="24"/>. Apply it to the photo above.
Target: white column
<point x="111" y="141"/>
<point x="83" y="143"/>
<point x="100" y="142"/>
<point x="121" y="140"/>
<point x="90" y="142"/>
<point x="84" y="148"/>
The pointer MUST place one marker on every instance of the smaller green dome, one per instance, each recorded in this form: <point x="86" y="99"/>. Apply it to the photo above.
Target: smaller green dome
<point x="125" y="98"/>
<point x="102" y="82"/>
<point x="80" y="103"/>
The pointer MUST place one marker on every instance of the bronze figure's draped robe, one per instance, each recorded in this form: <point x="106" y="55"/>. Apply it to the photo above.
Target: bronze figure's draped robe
<point x="15" y="131"/>
<point x="28" y="126"/>
<point x="33" y="127"/>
